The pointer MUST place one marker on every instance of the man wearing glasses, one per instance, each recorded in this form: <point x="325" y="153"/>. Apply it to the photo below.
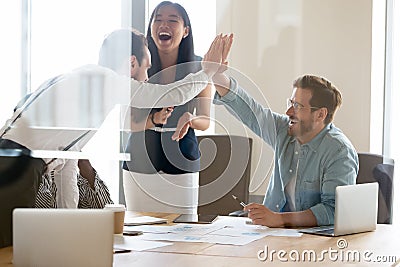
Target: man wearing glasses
<point x="312" y="156"/>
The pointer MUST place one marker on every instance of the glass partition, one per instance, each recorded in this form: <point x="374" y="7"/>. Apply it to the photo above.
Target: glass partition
<point x="64" y="36"/>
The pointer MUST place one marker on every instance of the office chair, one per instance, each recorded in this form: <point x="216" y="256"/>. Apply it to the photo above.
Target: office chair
<point x="10" y="164"/>
<point x="18" y="186"/>
<point x="376" y="168"/>
<point x="225" y="171"/>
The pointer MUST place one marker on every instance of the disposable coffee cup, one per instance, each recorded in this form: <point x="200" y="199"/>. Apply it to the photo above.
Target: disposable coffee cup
<point x="119" y="216"/>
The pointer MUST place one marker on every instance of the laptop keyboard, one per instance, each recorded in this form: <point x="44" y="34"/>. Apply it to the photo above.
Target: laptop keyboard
<point x="326" y="231"/>
<point x="329" y="229"/>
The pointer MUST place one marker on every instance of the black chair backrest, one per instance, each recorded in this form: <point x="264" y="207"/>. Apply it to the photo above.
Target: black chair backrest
<point x="20" y="175"/>
<point x="225" y="171"/>
<point x="12" y="164"/>
<point x="376" y="168"/>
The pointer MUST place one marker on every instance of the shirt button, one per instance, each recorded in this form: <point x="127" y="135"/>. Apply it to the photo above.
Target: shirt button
<point x="277" y="206"/>
<point x="296" y="152"/>
<point x="290" y="170"/>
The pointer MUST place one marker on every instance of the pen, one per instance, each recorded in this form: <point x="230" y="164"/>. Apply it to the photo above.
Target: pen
<point x="240" y="202"/>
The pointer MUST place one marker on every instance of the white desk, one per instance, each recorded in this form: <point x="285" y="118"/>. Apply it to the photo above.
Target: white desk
<point x="382" y="242"/>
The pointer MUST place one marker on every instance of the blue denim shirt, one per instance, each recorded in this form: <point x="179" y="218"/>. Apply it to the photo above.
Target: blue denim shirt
<point x="325" y="162"/>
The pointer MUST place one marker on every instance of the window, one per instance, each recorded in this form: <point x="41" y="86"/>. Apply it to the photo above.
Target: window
<point x="385" y="85"/>
<point x="10" y="54"/>
<point x="391" y="143"/>
<point x="64" y="36"/>
<point x="68" y="34"/>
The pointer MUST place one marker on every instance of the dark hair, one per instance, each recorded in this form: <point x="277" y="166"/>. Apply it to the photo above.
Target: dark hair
<point x="186" y="47"/>
<point x="324" y="93"/>
<point x="114" y="49"/>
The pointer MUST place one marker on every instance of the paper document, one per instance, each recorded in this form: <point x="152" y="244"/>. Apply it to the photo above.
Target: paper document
<point x="192" y="229"/>
<point x="135" y="243"/>
<point x="155" y="229"/>
<point x="209" y="238"/>
<point x="284" y="232"/>
<point x="242" y="232"/>
<point x="225" y="230"/>
<point x="237" y="222"/>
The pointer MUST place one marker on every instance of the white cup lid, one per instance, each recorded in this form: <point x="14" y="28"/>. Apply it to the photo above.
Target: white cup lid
<point x="115" y="207"/>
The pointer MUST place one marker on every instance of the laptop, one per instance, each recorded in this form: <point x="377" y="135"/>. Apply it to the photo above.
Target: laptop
<point x="62" y="237"/>
<point x="356" y="210"/>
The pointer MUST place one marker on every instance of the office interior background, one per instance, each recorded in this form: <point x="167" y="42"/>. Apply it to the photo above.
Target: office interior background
<point x="355" y="44"/>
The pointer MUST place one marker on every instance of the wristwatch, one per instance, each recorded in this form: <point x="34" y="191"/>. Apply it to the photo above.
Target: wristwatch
<point x="162" y="129"/>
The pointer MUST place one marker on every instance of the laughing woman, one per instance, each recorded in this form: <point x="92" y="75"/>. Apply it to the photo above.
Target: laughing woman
<point x="163" y="174"/>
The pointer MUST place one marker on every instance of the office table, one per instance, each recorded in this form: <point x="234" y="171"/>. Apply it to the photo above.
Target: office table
<point x="377" y="248"/>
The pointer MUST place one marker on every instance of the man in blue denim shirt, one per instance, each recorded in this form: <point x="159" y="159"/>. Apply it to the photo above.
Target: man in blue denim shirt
<point x="312" y="156"/>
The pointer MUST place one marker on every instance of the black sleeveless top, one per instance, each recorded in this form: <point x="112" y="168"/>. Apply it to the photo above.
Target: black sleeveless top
<point x="153" y="151"/>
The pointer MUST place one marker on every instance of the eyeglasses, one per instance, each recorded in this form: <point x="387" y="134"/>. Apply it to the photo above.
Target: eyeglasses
<point x="296" y="105"/>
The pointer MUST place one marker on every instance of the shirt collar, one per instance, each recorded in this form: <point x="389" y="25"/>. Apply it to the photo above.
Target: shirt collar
<point x="316" y="141"/>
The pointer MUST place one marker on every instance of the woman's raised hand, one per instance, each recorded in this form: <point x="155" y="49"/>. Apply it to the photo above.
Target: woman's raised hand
<point x="217" y="54"/>
<point x="227" y="41"/>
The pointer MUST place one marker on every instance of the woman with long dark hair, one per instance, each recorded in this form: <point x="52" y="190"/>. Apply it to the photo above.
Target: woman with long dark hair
<point x="163" y="174"/>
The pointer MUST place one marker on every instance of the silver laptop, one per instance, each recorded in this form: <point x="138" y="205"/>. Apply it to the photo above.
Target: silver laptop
<point x="356" y="210"/>
<point x="62" y="237"/>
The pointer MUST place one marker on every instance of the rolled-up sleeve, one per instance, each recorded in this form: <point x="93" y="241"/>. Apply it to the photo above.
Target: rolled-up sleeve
<point x="342" y="169"/>
<point x="259" y="119"/>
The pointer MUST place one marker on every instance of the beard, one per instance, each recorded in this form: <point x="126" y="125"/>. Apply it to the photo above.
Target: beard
<point x="298" y="128"/>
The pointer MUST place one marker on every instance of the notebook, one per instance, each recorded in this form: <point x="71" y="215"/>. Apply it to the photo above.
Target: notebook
<point x="62" y="237"/>
<point x="356" y="210"/>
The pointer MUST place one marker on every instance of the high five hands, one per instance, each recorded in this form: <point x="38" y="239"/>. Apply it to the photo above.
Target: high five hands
<point x="216" y="57"/>
<point x="214" y="61"/>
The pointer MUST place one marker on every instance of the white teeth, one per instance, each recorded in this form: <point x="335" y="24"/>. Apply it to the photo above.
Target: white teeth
<point x="165" y="33"/>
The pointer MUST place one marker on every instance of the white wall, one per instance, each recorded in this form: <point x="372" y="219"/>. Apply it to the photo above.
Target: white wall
<point x="278" y="40"/>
